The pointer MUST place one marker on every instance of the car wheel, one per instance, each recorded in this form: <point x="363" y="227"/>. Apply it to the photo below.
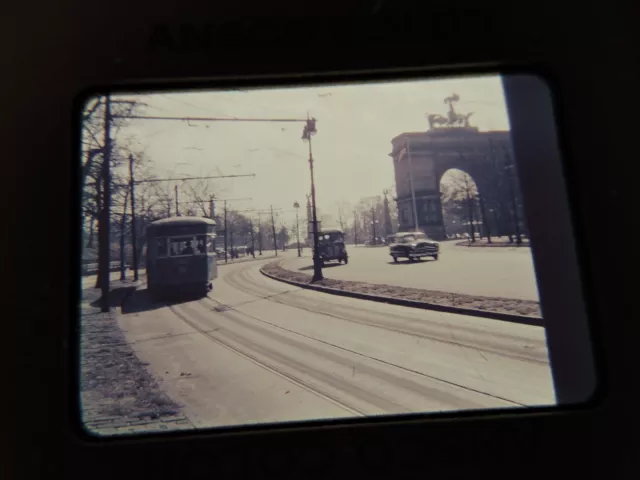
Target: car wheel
<point x="346" y="260"/>
<point x="435" y="257"/>
<point x="395" y="259"/>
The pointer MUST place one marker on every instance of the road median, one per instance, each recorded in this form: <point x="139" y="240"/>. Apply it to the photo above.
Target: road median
<point x="505" y="309"/>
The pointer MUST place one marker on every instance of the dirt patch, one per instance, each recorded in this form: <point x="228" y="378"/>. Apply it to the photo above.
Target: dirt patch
<point x="117" y="390"/>
<point x="491" y="304"/>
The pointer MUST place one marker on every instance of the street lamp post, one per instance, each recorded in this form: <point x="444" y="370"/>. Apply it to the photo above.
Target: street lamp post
<point x="296" y="205"/>
<point x="309" y="130"/>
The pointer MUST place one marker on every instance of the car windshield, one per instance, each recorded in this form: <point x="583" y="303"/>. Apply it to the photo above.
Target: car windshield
<point x="330" y="237"/>
<point x="411" y="238"/>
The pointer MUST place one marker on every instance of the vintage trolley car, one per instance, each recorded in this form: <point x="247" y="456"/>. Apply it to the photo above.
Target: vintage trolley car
<point x="181" y="258"/>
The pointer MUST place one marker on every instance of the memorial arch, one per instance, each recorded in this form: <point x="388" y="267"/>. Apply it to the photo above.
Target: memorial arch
<point x="420" y="159"/>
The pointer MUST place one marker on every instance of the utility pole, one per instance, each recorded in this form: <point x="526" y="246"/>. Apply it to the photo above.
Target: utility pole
<point x="273" y="228"/>
<point x="104" y="252"/>
<point x="134" y="243"/>
<point x="225" y="231"/>
<point x="355" y="228"/>
<point x="253" y="241"/>
<point x="177" y="209"/>
<point x="260" y="232"/>
<point x="309" y="130"/>
<point x="123" y="224"/>
<point x="230" y="227"/>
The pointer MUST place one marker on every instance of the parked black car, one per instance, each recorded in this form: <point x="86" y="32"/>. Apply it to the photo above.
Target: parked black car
<point x="413" y="245"/>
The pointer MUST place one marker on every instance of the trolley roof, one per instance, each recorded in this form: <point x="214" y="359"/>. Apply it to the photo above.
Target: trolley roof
<point x="181" y="222"/>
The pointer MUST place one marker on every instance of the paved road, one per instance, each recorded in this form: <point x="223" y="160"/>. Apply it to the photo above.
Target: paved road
<point x="258" y="351"/>
<point x="500" y="271"/>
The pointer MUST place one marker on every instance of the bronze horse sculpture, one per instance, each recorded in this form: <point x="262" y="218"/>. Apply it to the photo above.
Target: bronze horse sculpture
<point x="454" y="119"/>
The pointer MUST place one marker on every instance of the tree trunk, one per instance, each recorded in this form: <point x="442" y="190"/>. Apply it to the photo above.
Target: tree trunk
<point x="485" y="220"/>
<point x="92" y="224"/>
<point x="470" y="215"/>
<point x="99" y="209"/>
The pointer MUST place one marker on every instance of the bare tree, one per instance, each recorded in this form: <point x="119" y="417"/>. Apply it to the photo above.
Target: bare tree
<point x="367" y="211"/>
<point x="92" y="160"/>
<point x="459" y="196"/>
<point x="201" y="193"/>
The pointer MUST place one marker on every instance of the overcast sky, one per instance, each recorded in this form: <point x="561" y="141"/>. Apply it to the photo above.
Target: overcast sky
<point x="355" y="126"/>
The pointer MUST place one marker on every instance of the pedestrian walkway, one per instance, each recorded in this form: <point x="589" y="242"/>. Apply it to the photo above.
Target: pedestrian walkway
<point x="118" y="394"/>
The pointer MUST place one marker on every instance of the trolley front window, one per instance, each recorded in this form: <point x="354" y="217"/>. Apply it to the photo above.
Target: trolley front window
<point x="187" y="245"/>
<point x="179" y="246"/>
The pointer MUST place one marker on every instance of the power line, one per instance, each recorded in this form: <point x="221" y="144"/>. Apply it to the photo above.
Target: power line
<point x="211" y="119"/>
<point x="154" y="180"/>
<point x="252" y="210"/>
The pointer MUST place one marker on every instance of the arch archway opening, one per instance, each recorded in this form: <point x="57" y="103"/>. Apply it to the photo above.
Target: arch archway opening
<point x="463" y="211"/>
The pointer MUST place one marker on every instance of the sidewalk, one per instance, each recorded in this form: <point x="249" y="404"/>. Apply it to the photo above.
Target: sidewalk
<point x="495" y="242"/>
<point x="118" y="395"/>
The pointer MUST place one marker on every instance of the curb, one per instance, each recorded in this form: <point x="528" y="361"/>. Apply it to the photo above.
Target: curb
<point x="493" y="245"/>
<point x="505" y="317"/>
